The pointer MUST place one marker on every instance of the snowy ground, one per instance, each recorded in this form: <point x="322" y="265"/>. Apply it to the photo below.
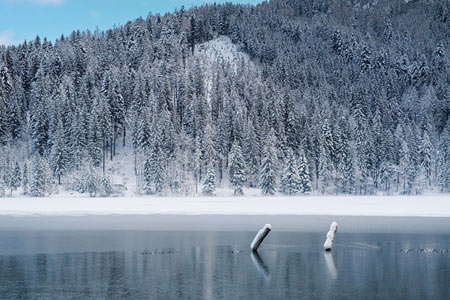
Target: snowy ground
<point x="409" y="206"/>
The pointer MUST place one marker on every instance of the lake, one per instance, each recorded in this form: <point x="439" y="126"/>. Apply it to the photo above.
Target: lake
<point x="74" y="262"/>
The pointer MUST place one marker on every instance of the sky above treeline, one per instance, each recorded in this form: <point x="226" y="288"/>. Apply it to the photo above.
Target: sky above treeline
<point x="24" y="19"/>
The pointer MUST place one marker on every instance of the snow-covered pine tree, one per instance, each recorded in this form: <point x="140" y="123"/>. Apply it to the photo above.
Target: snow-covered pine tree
<point x="209" y="183"/>
<point x="290" y="179"/>
<point x="325" y="156"/>
<point x="346" y="167"/>
<point x="147" y="176"/>
<point x="38" y="180"/>
<point x="158" y="164"/>
<point x="15" y="177"/>
<point x="144" y="136"/>
<point x="90" y="181"/>
<point x="104" y="123"/>
<point x="303" y="174"/>
<point x="236" y="168"/>
<point x="269" y="165"/>
<point x="94" y="145"/>
<point x="25" y="179"/>
<point x="426" y="154"/>
<point x="403" y="166"/>
<point x="196" y="162"/>
<point x="325" y="169"/>
<point x="209" y="151"/>
<point x="58" y="153"/>
<point x="414" y="162"/>
<point x="291" y="122"/>
<point x="252" y="156"/>
<point x="77" y="143"/>
<point x="105" y="186"/>
<point x="443" y="161"/>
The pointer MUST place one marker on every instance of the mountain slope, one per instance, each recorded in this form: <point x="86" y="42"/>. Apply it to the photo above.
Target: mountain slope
<point x="335" y="96"/>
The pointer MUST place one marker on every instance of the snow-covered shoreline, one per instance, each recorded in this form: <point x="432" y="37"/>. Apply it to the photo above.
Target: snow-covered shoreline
<point x="401" y="206"/>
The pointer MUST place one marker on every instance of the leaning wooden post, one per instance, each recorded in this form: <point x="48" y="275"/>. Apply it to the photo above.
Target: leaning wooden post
<point x="331" y="236"/>
<point x="260" y="236"/>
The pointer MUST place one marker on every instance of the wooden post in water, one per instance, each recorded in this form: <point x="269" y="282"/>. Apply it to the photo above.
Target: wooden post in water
<point x="260" y="236"/>
<point x="331" y="236"/>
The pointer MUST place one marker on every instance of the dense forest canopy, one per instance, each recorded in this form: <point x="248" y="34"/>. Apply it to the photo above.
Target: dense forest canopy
<point x="338" y="97"/>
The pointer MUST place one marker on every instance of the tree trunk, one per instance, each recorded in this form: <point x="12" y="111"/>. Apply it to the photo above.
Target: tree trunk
<point x="124" y="134"/>
<point x="104" y="153"/>
<point x="111" y="148"/>
<point x="115" y="137"/>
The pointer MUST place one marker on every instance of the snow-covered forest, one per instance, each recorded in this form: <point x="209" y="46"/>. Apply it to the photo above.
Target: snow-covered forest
<point x="291" y="97"/>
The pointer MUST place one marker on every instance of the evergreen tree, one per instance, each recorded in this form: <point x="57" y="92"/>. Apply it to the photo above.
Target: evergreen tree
<point x="426" y="157"/>
<point x="443" y="163"/>
<point x="38" y="180"/>
<point x="252" y="156"/>
<point x="105" y="187"/>
<point x="303" y="174"/>
<point x="58" y="155"/>
<point x="94" y="142"/>
<point x="2" y="187"/>
<point x="89" y="182"/>
<point x="269" y="165"/>
<point x="403" y="166"/>
<point x="15" y="180"/>
<point x="158" y="165"/>
<point x="346" y="168"/>
<point x="147" y="176"/>
<point x="326" y="168"/>
<point x="25" y="180"/>
<point x="209" y="183"/>
<point x="236" y="168"/>
<point x="290" y="180"/>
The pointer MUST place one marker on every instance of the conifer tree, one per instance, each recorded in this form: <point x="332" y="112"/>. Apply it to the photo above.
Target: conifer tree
<point x="443" y="163"/>
<point x="426" y="156"/>
<point x="252" y="156"/>
<point x="25" y="179"/>
<point x="147" y="176"/>
<point x="2" y="187"/>
<point x="90" y="181"/>
<point x="158" y="165"/>
<point x="15" y="178"/>
<point x="209" y="183"/>
<point x="269" y="165"/>
<point x="94" y="142"/>
<point x="38" y="180"/>
<point x="290" y="180"/>
<point x="303" y="173"/>
<point x="58" y="155"/>
<point x="236" y="168"/>
<point x="105" y="186"/>
<point x="403" y="165"/>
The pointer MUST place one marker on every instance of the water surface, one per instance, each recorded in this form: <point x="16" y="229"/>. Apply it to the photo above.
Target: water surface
<point x="139" y="264"/>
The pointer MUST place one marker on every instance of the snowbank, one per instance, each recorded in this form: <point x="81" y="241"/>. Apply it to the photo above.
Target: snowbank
<point x="421" y="206"/>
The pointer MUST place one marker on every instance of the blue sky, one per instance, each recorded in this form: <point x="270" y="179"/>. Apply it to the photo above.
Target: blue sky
<point x="24" y="19"/>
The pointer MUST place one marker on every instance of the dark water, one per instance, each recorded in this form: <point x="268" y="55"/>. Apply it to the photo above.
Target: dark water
<point x="219" y="265"/>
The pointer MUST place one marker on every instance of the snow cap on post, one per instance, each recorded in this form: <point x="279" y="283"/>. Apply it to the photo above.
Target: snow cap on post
<point x="260" y="236"/>
<point x="331" y="236"/>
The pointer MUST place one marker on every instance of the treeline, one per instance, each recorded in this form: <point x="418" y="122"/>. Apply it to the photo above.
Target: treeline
<point x="340" y="97"/>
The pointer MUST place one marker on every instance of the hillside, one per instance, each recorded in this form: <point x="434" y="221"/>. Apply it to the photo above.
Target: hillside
<point x="286" y="97"/>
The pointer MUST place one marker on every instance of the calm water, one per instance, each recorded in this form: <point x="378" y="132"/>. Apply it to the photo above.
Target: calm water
<point x="219" y="265"/>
